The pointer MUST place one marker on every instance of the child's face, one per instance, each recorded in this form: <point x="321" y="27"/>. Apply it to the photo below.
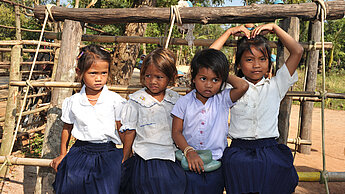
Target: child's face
<point x="254" y="66"/>
<point x="96" y="76"/>
<point x="207" y="83"/>
<point x="155" y="81"/>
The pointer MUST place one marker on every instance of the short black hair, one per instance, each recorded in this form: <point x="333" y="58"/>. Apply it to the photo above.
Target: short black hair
<point x="212" y="59"/>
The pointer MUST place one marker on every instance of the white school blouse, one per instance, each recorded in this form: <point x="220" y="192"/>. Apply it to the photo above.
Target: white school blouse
<point x="255" y="115"/>
<point x="95" y="123"/>
<point x="205" y="126"/>
<point x="152" y="122"/>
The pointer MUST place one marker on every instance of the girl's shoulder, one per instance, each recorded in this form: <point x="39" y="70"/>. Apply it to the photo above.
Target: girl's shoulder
<point x="171" y="96"/>
<point x="142" y="98"/>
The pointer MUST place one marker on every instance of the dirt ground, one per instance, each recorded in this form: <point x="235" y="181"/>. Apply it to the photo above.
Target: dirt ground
<point x="23" y="179"/>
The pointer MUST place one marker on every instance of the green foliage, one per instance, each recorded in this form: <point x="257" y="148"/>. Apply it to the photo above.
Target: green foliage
<point x="34" y="148"/>
<point x="334" y="83"/>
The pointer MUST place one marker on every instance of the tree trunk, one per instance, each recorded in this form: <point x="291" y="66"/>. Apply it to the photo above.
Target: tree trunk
<point x="254" y="13"/>
<point x="125" y="54"/>
<point x="291" y="26"/>
<point x="70" y="43"/>
<point x="307" y="106"/>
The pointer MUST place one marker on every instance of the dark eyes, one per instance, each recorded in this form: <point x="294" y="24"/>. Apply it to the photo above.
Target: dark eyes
<point x="213" y="80"/>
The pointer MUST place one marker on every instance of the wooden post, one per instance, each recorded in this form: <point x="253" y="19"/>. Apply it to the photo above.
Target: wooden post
<point x="12" y="100"/>
<point x="291" y="26"/>
<point x="18" y="27"/>
<point x="307" y="106"/>
<point x="70" y="43"/>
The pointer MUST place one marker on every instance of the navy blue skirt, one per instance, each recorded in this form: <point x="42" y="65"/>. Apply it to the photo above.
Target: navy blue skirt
<point x="262" y="166"/>
<point x="89" y="168"/>
<point x="153" y="176"/>
<point x="205" y="183"/>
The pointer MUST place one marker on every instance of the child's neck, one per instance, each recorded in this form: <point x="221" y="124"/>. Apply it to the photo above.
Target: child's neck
<point x="92" y="95"/>
<point x="200" y="97"/>
<point x="159" y="97"/>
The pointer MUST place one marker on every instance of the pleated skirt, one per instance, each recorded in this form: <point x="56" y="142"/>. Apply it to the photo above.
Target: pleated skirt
<point x="205" y="183"/>
<point x="90" y="168"/>
<point x="153" y="176"/>
<point x="262" y="166"/>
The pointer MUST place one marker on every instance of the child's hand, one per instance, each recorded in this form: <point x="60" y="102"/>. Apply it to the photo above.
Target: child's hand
<point x="239" y="31"/>
<point x="263" y="29"/>
<point x="55" y="163"/>
<point x="194" y="162"/>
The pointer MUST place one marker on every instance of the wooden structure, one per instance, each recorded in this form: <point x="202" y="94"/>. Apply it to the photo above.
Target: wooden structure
<point x="253" y="13"/>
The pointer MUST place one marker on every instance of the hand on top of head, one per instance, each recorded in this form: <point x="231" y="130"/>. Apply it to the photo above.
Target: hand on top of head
<point x="263" y="29"/>
<point x="250" y="31"/>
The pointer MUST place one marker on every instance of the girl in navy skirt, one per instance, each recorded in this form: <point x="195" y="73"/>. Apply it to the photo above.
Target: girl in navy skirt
<point x="146" y="123"/>
<point x="93" y="164"/>
<point x="255" y="163"/>
<point x="201" y="118"/>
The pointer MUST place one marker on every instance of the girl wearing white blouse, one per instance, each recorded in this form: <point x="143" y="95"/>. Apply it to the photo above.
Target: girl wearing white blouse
<point x="255" y="162"/>
<point x="147" y="124"/>
<point x="93" y="164"/>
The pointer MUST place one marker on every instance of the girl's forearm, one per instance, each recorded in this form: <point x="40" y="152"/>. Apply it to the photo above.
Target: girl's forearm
<point x="218" y="44"/>
<point x="65" y="137"/>
<point x="290" y="43"/>
<point x="128" y="142"/>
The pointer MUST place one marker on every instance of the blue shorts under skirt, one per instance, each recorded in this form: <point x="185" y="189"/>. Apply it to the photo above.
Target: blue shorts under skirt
<point x="262" y="166"/>
<point x="205" y="183"/>
<point x="90" y="168"/>
<point x="153" y="176"/>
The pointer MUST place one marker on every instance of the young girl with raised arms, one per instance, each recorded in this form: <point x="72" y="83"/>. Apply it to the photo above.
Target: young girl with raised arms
<point x="93" y="164"/>
<point x="147" y="122"/>
<point x="255" y="162"/>
<point x="201" y="118"/>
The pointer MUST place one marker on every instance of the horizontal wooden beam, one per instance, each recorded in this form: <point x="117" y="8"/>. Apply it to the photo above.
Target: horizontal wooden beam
<point x="130" y="89"/>
<point x="205" y="15"/>
<point x="28" y="50"/>
<point x="173" y="41"/>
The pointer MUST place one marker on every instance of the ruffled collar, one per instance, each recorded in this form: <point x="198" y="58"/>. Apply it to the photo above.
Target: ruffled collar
<point x="145" y="99"/>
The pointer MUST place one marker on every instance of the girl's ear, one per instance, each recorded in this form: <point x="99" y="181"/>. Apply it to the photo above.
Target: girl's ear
<point x="77" y="70"/>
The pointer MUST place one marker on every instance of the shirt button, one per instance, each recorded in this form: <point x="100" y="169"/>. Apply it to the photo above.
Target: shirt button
<point x="203" y="123"/>
<point x="200" y="143"/>
<point x="201" y="132"/>
<point x="203" y="111"/>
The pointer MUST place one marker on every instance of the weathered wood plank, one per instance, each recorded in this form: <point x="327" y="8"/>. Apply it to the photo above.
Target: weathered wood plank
<point x="205" y="15"/>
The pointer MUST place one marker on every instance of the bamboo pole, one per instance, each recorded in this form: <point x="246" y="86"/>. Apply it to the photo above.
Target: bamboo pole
<point x="316" y="176"/>
<point x="173" y="41"/>
<point x="27" y="161"/>
<point x="23" y="29"/>
<point x="28" y="50"/>
<point x="30" y="131"/>
<point x="11" y="107"/>
<point x="29" y="112"/>
<point x="177" y="89"/>
<point x="27" y="42"/>
<point x="29" y="63"/>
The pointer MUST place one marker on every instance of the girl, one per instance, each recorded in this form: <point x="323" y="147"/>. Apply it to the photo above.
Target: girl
<point x="255" y="163"/>
<point x="147" y="122"/>
<point x="201" y="118"/>
<point x="93" y="164"/>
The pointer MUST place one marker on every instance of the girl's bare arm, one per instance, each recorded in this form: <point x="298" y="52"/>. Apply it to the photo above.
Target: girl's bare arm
<point x="194" y="161"/>
<point x="129" y="136"/>
<point x="237" y="31"/>
<point x="240" y="87"/>
<point x="65" y="137"/>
